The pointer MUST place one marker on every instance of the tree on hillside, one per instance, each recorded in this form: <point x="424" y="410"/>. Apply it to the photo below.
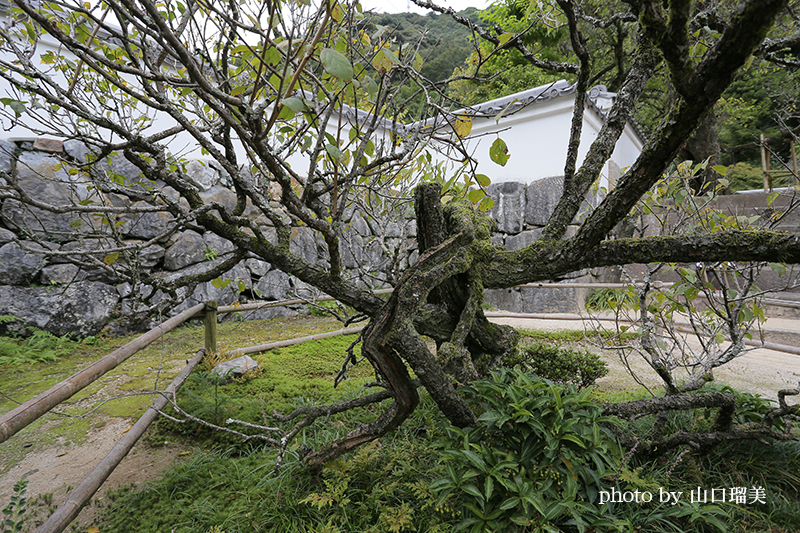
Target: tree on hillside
<point x="255" y="84"/>
<point x="443" y="45"/>
<point x="490" y="72"/>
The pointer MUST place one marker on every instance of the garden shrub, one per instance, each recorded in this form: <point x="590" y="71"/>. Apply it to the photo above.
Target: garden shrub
<point x="562" y="365"/>
<point x="539" y="460"/>
<point x="535" y="461"/>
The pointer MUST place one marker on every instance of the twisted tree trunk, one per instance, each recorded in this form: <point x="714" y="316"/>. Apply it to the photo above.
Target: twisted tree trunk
<point x="441" y="296"/>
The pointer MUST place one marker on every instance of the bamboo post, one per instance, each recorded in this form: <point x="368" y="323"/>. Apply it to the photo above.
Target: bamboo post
<point x="210" y="322"/>
<point x="22" y="415"/>
<point x="280" y="303"/>
<point x="794" y="162"/>
<point x="68" y="510"/>
<point x="765" y="164"/>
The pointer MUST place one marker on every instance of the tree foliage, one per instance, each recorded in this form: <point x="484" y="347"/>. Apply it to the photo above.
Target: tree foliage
<point x="492" y="72"/>
<point x="303" y="111"/>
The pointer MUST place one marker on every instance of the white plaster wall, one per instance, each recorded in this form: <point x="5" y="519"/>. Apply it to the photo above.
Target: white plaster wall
<point x="537" y="137"/>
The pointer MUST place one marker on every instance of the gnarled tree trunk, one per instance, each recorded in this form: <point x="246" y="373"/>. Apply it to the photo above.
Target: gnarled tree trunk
<point x="441" y="296"/>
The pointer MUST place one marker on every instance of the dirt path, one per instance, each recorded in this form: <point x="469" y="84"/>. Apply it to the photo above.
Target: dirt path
<point x="53" y="472"/>
<point x="759" y="371"/>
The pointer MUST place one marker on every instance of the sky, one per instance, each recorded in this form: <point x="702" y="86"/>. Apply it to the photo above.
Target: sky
<point x="402" y="6"/>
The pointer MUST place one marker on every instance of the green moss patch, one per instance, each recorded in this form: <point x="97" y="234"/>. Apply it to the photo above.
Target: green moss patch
<point x="118" y="393"/>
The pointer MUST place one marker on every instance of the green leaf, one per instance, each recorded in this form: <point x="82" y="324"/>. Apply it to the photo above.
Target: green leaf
<point x="510" y="503"/>
<point x="384" y="60"/>
<point x="475" y="459"/>
<point x="15" y="105"/>
<point x="780" y="268"/>
<point x="771" y="198"/>
<point x="472" y="490"/>
<point x="334" y="152"/>
<point x="476" y="196"/>
<point x="498" y="152"/>
<point x="486" y="204"/>
<point x="418" y="62"/>
<point x="272" y="56"/>
<point x="220" y="283"/>
<point x="721" y="169"/>
<point x="369" y="85"/>
<point x="489" y="488"/>
<point x="286" y="113"/>
<point x="295" y="104"/>
<point x="573" y="439"/>
<point x="337" y="13"/>
<point x="336" y="64"/>
<point x="483" y="180"/>
<point x="110" y="259"/>
<point x="504" y="38"/>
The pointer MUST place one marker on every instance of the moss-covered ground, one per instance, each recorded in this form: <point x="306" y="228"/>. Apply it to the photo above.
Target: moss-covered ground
<point x="122" y="391"/>
<point x="224" y="486"/>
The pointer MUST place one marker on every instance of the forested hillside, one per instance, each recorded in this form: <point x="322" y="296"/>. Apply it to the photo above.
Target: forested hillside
<point x="444" y="44"/>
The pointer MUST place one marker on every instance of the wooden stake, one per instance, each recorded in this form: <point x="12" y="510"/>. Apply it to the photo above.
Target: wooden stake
<point x="210" y="321"/>
<point x="765" y="164"/>
<point x="282" y="344"/>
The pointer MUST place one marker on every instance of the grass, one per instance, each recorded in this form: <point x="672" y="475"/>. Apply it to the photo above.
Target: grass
<point x="116" y="394"/>
<point x="38" y="347"/>
<point x="223" y="486"/>
<point x="384" y="486"/>
<point x="380" y="487"/>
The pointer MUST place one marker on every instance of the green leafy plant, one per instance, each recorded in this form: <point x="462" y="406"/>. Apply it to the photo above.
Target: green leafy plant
<point x="608" y="299"/>
<point x="561" y="365"/>
<point x="39" y="347"/>
<point x="13" y="519"/>
<point x="536" y="461"/>
<point x="210" y="254"/>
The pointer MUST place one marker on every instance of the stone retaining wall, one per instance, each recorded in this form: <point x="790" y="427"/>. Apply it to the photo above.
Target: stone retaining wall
<point x="521" y="211"/>
<point x="44" y="286"/>
<point x="65" y="294"/>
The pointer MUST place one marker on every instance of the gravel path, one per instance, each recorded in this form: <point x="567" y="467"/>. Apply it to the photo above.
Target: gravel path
<point x="759" y="371"/>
